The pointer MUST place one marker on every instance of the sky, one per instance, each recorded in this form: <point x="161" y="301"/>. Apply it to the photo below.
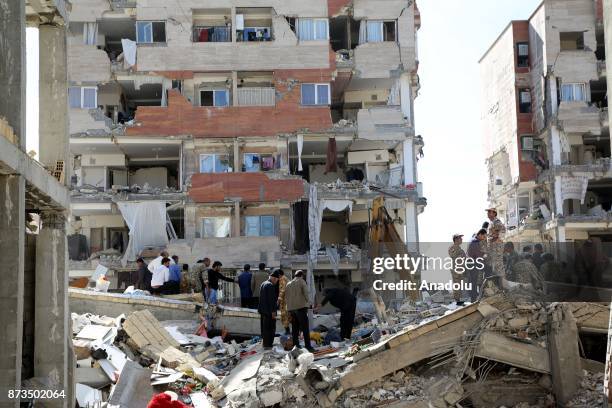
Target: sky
<point x="453" y="37"/>
<point x="32" y="89"/>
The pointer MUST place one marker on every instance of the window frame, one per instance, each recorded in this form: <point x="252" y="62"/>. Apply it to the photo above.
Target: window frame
<point x="151" y="22"/>
<point x="82" y="97"/>
<point x="316" y="96"/>
<point x="214" y="91"/>
<point x="214" y="156"/>
<point x="223" y="217"/>
<point x="573" y="86"/>
<point x="313" y="20"/>
<point x="382" y="30"/>
<point x="260" y="225"/>
<point x="520" y="57"/>
<point x="520" y="103"/>
<point x="260" y="156"/>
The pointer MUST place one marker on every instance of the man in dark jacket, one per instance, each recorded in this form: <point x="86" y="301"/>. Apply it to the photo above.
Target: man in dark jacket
<point x="214" y="275"/>
<point x="267" y="309"/>
<point x="346" y="302"/>
<point x="244" y="281"/>
<point x="144" y="276"/>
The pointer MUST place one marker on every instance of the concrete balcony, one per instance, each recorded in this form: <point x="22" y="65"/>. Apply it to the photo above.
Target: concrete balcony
<point x="86" y="63"/>
<point x="580" y="117"/>
<point x="377" y="60"/>
<point x="383" y="123"/>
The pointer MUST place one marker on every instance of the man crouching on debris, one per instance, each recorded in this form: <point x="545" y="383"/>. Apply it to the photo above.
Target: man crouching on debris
<point x="296" y="295"/>
<point x="267" y="309"/>
<point x="347" y="303"/>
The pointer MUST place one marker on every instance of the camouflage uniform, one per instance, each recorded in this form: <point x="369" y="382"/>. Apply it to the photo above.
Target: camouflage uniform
<point x="525" y="272"/>
<point x="495" y="247"/>
<point x="455" y="252"/>
<point x="282" y="301"/>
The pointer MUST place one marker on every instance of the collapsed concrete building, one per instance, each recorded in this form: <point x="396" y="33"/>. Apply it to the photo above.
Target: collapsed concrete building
<point x="545" y="124"/>
<point x="229" y="119"/>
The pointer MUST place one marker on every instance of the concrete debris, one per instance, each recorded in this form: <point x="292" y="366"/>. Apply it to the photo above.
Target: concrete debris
<point x="501" y="351"/>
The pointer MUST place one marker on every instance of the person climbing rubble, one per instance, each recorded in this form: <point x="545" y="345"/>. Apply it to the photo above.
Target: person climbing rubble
<point x="298" y="303"/>
<point x="267" y="308"/>
<point x="347" y="303"/>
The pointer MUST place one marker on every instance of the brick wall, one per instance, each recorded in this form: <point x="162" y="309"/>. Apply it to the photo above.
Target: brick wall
<point x="180" y="117"/>
<point x="334" y="7"/>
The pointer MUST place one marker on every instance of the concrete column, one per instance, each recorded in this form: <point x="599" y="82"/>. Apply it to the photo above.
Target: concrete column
<point x="558" y="208"/>
<point x="234" y="88"/>
<point x="409" y="162"/>
<point x="234" y="33"/>
<point x="12" y="66"/>
<point x="53" y="98"/>
<point x="12" y="244"/>
<point x="411" y="223"/>
<point x="237" y="159"/>
<point x="52" y="344"/>
<point x="236" y="218"/>
<point x="607" y="17"/>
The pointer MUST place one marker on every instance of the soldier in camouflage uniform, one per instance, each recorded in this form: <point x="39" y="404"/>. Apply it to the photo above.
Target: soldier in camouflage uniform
<point x="456" y="252"/>
<point x="526" y="273"/>
<point x="495" y="244"/>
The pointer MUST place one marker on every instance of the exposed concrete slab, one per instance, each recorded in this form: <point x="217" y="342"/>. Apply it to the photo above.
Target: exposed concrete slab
<point x="15" y="161"/>
<point x="494" y="346"/>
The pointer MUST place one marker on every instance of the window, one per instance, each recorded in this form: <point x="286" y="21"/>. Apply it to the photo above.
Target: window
<point x="256" y="34"/>
<point x="259" y="226"/>
<point x="379" y="31"/>
<point x="311" y="29"/>
<point x="254" y="162"/>
<point x="150" y="32"/>
<point x="214" y="163"/>
<point x="527" y="143"/>
<point x="218" y="98"/>
<point x="572" y="92"/>
<point x="524" y="100"/>
<point x="315" y="94"/>
<point x="81" y="97"/>
<point x="215" y="227"/>
<point x="572" y="41"/>
<point x="522" y="55"/>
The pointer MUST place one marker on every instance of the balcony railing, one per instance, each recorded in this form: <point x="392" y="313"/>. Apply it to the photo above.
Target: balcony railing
<point x="256" y="96"/>
<point x="212" y="34"/>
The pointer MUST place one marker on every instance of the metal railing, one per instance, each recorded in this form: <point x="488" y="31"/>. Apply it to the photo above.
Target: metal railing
<point x="256" y="96"/>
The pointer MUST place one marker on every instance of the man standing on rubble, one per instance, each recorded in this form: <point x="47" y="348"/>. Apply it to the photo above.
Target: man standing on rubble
<point x="267" y="308"/>
<point x="297" y="305"/>
<point x="173" y="286"/>
<point x="495" y="245"/>
<point x="282" y="300"/>
<point x="457" y="255"/>
<point x="198" y="270"/>
<point x="347" y="303"/>
<point x="259" y="277"/>
<point x="476" y="251"/>
<point x="214" y="275"/>
<point x="161" y="275"/>
<point x="244" y="281"/>
<point x="144" y="276"/>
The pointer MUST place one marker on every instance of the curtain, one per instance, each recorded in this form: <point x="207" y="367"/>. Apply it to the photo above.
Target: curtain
<point x="89" y="98"/>
<point x="309" y="94"/>
<point x="363" y="38"/>
<point x="144" y="31"/>
<point x="375" y="31"/>
<point x="147" y="224"/>
<point x="336" y="205"/>
<point x="90" y="33"/>
<point x="74" y="97"/>
<point x="129" y="52"/>
<point x="331" y="162"/>
<point x="320" y="29"/>
<point x="306" y="29"/>
<point x="322" y="94"/>
<point x="394" y="95"/>
<point x="300" y="147"/>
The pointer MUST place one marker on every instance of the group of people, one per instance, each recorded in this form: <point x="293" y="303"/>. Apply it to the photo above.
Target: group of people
<point x="161" y="276"/>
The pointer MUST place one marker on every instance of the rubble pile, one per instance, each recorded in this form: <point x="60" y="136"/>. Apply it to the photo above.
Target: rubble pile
<point x="501" y="351"/>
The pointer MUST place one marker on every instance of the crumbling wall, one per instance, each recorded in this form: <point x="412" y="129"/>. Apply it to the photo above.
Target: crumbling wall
<point x="88" y="10"/>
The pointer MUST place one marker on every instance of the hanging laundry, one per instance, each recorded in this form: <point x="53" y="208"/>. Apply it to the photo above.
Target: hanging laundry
<point x="331" y="164"/>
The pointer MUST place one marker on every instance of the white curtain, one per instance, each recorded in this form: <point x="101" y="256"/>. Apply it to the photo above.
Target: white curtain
<point x="300" y="147"/>
<point x="129" y="52"/>
<point x="90" y="33"/>
<point x="394" y="95"/>
<point x="147" y="223"/>
<point x="375" y="31"/>
<point x="336" y="205"/>
<point x="306" y="29"/>
<point x="363" y="38"/>
<point x="315" y="216"/>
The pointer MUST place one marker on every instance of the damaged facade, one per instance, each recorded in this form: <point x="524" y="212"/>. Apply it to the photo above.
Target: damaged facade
<point x="229" y="112"/>
<point x="545" y="124"/>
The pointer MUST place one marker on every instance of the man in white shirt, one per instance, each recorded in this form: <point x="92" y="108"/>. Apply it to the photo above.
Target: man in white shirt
<point x="161" y="275"/>
<point x="158" y="261"/>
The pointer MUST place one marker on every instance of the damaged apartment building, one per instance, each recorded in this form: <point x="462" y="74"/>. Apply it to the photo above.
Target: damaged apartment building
<point x="546" y="127"/>
<point x="215" y="125"/>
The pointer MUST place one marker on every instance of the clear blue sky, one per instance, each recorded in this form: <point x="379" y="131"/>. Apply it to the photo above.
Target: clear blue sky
<point x="453" y="36"/>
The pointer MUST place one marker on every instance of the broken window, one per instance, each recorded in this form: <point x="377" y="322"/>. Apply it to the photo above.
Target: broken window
<point x="215" y="227"/>
<point x="150" y="32"/>
<point x="254" y="162"/>
<point x="311" y="29"/>
<point x="217" y="97"/>
<point x="572" y="92"/>
<point x="259" y="226"/>
<point x="377" y="31"/>
<point x="315" y="94"/>
<point x="524" y="100"/>
<point x="83" y="97"/>
<point x="214" y="163"/>
<point x="572" y="41"/>
<point x="522" y="51"/>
